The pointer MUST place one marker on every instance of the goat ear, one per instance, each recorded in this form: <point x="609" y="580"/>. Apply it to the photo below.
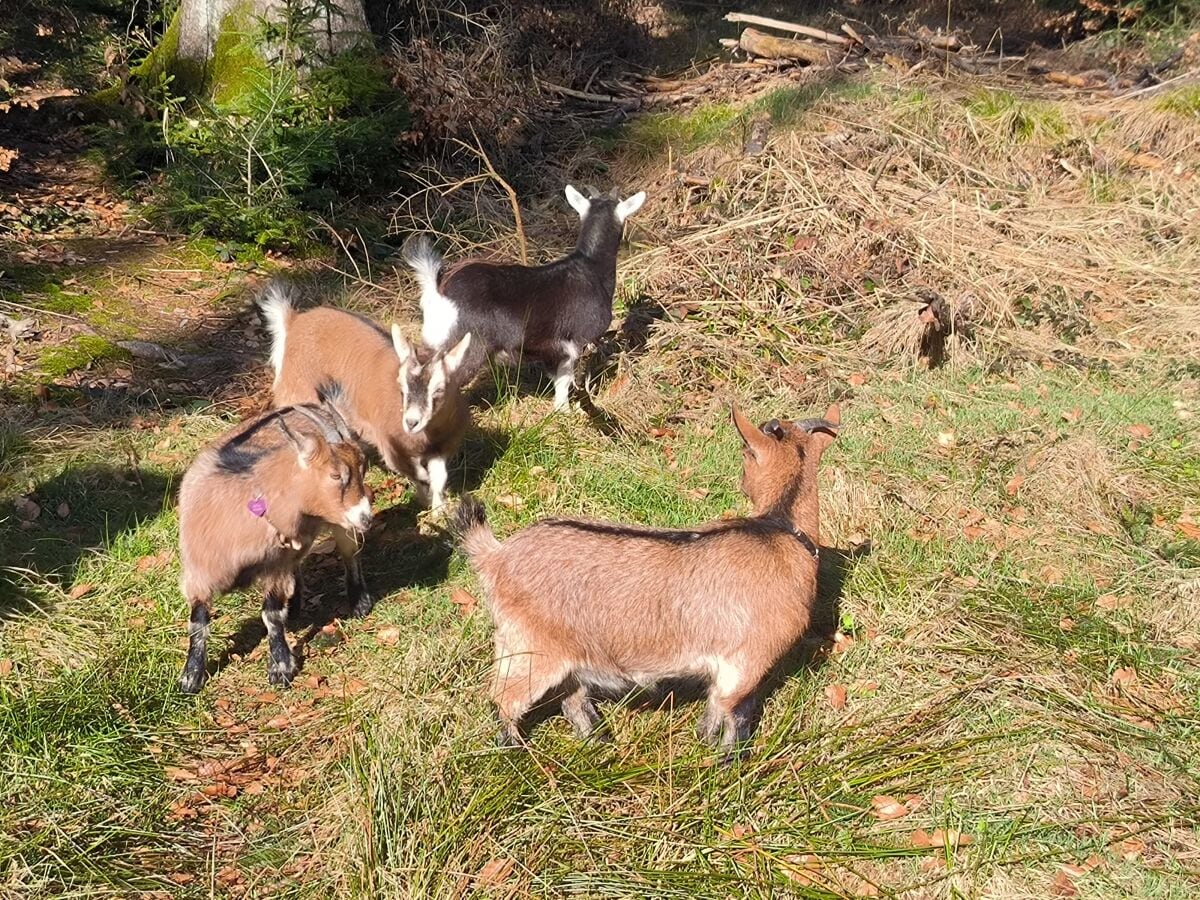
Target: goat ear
<point x="820" y="440"/>
<point x="756" y="442"/>
<point x="454" y="358"/>
<point x="305" y="444"/>
<point x="630" y="205"/>
<point x="403" y="349"/>
<point x="578" y="202"/>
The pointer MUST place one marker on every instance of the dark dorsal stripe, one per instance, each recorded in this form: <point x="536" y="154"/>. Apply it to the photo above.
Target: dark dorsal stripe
<point x="760" y="525"/>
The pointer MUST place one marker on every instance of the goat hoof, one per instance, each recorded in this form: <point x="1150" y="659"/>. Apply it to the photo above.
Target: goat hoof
<point x="363" y="606"/>
<point x="600" y="735"/>
<point x="191" y="682"/>
<point x="508" y="739"/>
<point x="282" y="675"/>
<point x="738" y="754"/>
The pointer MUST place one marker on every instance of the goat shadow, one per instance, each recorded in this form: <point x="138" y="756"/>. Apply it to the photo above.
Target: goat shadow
<point x="80" y="509"/>
<point x="806" y="654"/>
<point x="396" y="555"/>
<point x="598" y="367"/>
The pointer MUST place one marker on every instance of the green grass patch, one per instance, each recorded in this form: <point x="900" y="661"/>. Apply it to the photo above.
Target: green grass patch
<point x="1019" y="119"/>
<point x="78" y="353"/>
<point x="651" y="135"/>
<point x="1184" y="101"/>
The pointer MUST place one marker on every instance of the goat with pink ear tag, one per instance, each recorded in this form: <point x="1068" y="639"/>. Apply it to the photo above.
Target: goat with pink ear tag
<point x="544" y="314"/>
<point x="250" y="507"/>
<point x="582" y="605"/>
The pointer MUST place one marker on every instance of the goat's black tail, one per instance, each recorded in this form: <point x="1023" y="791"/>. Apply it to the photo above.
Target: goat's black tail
<point x="471" y="527"/>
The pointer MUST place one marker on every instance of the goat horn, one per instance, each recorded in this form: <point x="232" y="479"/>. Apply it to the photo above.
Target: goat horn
<point x="811" y="425"/>
<point x="332" y="435"/>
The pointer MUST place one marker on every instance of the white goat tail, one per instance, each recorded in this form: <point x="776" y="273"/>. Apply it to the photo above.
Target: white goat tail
<point x="278" y="310"/>
<point x="438" y="312"/>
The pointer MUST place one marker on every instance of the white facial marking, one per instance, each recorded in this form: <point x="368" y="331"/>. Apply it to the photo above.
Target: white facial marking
<point x="630" y="205"/>
<point x="358" y="516"/>
<point x="415" y="419"/>
<point x="578" y="202"/>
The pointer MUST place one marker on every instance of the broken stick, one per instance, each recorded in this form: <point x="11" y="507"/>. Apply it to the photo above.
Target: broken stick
<point x="759" y="43"/>
<point x="780" y="25"/>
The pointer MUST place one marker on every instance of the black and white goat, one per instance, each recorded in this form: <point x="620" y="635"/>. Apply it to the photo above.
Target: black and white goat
<point x="545" y="314"/>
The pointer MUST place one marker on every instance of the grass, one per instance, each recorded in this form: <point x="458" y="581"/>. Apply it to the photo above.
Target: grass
<point x="718" y="123"/>
<point x="1016" y="583"/>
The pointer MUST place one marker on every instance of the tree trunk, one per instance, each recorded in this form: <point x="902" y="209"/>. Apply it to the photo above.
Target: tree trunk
<point x="209" y="46"/>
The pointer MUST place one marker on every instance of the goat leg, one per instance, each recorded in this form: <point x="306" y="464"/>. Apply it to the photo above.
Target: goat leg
<point x="361" y="601"/>
<point x="564" y="375"/>
<point x="585" y="719"/>
<point x="281" y="664"/>
<point x="195" y="669"/>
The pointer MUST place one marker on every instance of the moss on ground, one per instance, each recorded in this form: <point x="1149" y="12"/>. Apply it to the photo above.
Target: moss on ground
<point x="78" y="353"/>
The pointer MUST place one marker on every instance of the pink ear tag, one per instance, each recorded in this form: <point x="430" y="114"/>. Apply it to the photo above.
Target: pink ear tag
<point x="257" y="507"/>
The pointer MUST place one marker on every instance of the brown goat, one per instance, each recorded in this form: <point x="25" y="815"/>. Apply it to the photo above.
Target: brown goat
<point x="403" y="401"/>
<point x="250" y="507"/>
<point x="582" y="604"/>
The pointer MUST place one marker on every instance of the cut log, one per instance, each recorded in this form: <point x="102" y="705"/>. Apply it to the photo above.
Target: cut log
<point x="780" y="25"/>
<point x="758" y="43"/>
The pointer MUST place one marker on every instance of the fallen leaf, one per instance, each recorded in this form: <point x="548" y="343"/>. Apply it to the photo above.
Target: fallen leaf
<point x="886" y="808"/>
<point x="947" y="439"/>
<point x="1131" y="848"/>
<point x="1142" y="432"/>
<point x="1188" y="529"/>
<point x="858" y="379"/>
<point x="495" y="872"/>
<point x="1051" y="574"/>
<point x="388" y="637"/>
<point x="512" y="501"/>
<point x="464" y="600"/>
<point x="1013" y="485"/>
<point x="182" y="877"/>
<point x="1114" y="601"/>
<point x="1063" y="886"/>
<point x="1072" y="415"/>
<point x="836" y="695"/>
<point x="1124" y="677"/>
<point x="63" y="510"/>
<point x="950" y="838"/>
<point x="1066" y="623"/>
<point x="6" y="667"/>
<point x="353" y="686"/>
<point x="842" y="642"/>
<point x="154" y="560"/>
<point x="81" y="590"/>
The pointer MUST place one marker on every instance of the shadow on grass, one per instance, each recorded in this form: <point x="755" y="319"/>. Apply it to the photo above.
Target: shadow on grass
<point x="45" y="532"/>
